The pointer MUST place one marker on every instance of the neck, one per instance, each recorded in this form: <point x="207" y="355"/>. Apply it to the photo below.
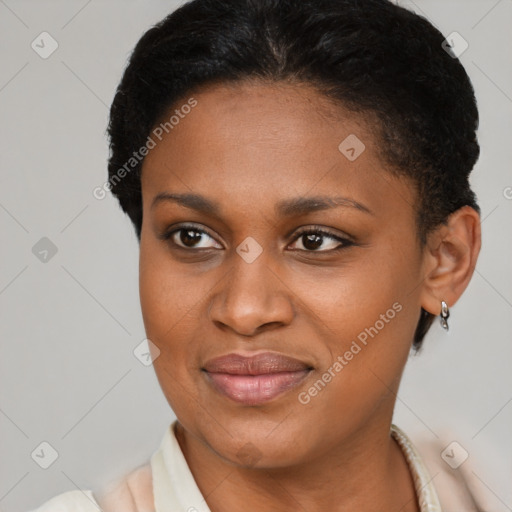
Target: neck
<point x="366" y="470"/>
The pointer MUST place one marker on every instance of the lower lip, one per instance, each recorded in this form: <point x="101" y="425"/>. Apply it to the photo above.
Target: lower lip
<point x="255" y="389"/>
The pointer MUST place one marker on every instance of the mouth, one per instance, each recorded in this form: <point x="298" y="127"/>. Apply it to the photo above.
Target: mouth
<point x="257" y="379"/>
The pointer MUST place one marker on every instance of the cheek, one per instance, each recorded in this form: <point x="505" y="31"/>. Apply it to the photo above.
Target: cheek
<point x="165" y="295"/>
<point x="167" y="306"/>
<point x="377" y="315"/>
<point x="367" y="291"/>
<point x="168" y="310"/>
<point x="173" y="305"/>
<point x="368" y="315"/>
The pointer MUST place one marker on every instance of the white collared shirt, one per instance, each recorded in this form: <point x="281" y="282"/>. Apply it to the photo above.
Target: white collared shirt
<point x="166" y="484"/>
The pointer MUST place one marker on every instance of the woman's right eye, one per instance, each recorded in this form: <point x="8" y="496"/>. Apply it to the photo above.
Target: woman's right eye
<point x="190" y="237"/>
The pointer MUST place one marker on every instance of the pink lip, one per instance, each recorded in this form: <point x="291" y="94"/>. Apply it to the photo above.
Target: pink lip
<point x="257" y="379"/>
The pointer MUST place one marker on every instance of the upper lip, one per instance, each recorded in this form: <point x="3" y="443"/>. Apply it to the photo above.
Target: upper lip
<point x="259" y="364"/>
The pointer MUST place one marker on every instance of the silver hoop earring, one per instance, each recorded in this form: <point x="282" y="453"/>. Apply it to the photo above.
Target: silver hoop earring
<point x="445" y="313"/>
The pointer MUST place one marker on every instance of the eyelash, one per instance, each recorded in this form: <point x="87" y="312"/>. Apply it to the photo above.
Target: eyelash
<point x="344" y="242"/>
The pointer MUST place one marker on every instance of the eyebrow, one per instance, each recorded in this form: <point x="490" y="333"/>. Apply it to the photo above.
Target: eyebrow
<point x="303" y="205"/>
<point x="285" y="208"/>
<point x="192" y="201"/>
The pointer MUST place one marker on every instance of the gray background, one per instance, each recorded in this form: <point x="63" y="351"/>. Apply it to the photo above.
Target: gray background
<point x="69" y="325"/>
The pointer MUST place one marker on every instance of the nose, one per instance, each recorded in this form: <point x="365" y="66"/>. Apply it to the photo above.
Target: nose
<point x="252" y="298"/>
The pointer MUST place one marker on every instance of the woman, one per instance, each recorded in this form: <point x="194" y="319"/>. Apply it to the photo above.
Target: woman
<point x="297" y="176"/>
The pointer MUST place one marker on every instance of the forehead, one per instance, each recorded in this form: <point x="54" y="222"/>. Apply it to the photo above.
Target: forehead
<point x="268" y="141"/>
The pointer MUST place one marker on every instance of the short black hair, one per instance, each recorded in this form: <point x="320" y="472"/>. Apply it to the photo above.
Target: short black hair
<point x="370" y="56"/>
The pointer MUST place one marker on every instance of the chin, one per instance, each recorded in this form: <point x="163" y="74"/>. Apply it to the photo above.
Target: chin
<point x="258" y="440"/>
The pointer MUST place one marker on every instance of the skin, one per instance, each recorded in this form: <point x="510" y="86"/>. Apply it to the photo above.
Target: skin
<point x="247" y="147"/>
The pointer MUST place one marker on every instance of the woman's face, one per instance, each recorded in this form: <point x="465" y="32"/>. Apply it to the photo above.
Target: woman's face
<point x="291" y="258"/>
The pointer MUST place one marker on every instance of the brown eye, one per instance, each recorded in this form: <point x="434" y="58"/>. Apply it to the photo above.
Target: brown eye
<point x="190" y="237"/>
<point x="312" y="241"/>
<point x="318" y="240"/>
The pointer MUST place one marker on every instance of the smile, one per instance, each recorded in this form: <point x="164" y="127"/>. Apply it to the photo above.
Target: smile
<point x="254" y="380"/>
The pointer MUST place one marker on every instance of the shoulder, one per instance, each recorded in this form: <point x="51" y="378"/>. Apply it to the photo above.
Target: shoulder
<point x="131" y="493"/>
<point x="71" y="501"/>
<point x="452" y="473"/>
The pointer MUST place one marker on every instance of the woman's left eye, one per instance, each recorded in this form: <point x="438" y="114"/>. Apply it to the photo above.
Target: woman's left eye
<point x="313" y="239"/>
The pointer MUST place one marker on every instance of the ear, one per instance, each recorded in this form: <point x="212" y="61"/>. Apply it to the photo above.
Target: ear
<point x="450" y="257"/>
